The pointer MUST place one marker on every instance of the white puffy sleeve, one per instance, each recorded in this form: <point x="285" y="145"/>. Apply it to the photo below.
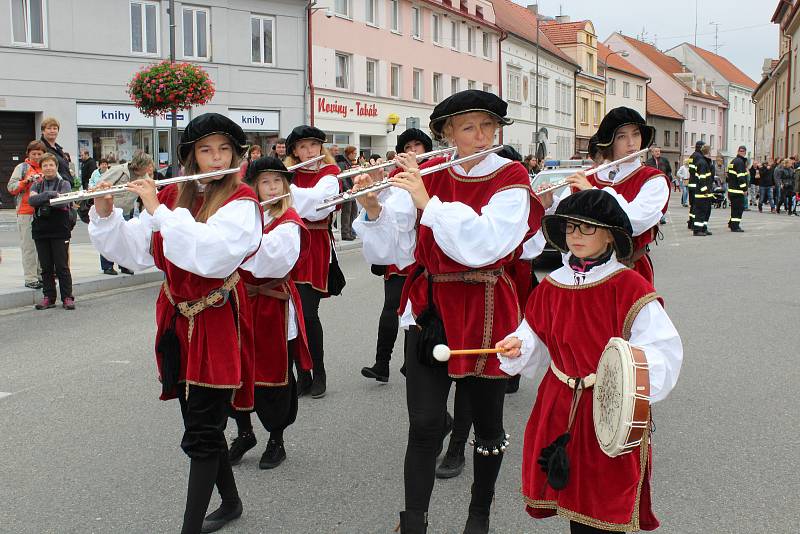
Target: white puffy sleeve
<point x="534" y="354"/>
<point x="392" y="237"/>
<point x="306" y="199"/>
<point x="277" y="254"/>
<point x="534" y="246"/>
<point x="216" y="248"/>
<point x="653" y="332"/>
<point x="126" y="243"/>
<point x="477" y="240"/>
<point x="644" y="211"/>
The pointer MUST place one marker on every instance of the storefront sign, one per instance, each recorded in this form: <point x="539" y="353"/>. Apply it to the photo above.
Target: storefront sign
<point x="256" y="121"/>
<point x="123" y="115"/>
<point x="344" y="109"/>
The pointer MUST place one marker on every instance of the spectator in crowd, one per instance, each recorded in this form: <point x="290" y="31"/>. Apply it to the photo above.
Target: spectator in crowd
<point x="349" y="209"/>
<point x="529" y="163"/>
<point x="102" y="167"/>
<point x="390" y="155"/>
<point x="362" y="160"/>
<point x="50" y="128"/>
<point x="279" y="149"/>
<point x="783" y="170"/>
<point x="52" y="230"/>
<point x="88" y="166"/>
<point x="657" y="161"/>
<point x="682" y="175"/>
<point x="22" y="178"/>
<point x="253" y="153"/>
<point x="755" y="179"/>
<point x="766" y="187"/>
<point x="787" y="186"/>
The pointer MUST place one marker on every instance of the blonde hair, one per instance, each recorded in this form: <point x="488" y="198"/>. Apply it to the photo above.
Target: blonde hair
<point x="50" y="121"/>
<point x="139" y="162"/>
<point x="447" y="128"/>
<point x="278" y="208"/>
<point x="291" y="159"/>
<point x="215" y="193"/>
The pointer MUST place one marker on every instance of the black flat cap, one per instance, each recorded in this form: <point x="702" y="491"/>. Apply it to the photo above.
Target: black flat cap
<point x="303" y="132"/>
<point x="413" y="134"/>
<point x="266" y="164"/>
<point x="211" y="124"/>
<point x="468" y="102"/>
<point x="616" y="119"/>
<point x="595" y="207"/>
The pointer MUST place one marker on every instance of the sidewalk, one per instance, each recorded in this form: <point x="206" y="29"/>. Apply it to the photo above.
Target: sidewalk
<point x="85" y="267"/>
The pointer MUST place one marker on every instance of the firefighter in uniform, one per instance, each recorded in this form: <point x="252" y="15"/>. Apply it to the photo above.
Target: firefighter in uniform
<point x="690" y="163"/>
<point x="737" y="188"/>
<point x="702" y="175"/>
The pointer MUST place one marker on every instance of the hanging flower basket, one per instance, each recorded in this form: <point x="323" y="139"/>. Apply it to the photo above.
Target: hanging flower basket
<point x="165" y="86"/>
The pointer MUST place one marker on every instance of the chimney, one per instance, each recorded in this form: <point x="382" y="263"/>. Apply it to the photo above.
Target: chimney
<point x="561" y="19"/>
<point x="533" y="8"/>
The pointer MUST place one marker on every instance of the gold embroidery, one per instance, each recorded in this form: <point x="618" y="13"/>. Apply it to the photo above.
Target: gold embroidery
<point x="286" y="336"/>
<point x="549" y="279"/>
<point x="476" y="179"/>
<point x="634" y="311"/>
<point x="631" y="175"/>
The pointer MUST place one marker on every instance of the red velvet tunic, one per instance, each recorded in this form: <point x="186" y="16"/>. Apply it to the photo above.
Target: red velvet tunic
<point x="314" y="270"/>
<point x="220" y="353"/>
<point x="271" y="318"/>
<point x="604" y="492"/>
<point x="629" y="187"/>
<point x="463" y="306"/>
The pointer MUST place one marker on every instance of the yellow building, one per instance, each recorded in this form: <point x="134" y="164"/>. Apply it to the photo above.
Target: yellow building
<point x="579" y="41"/>
<point x="786" y="86"/>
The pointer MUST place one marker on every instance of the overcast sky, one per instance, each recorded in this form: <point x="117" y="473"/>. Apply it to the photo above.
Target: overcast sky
<point x="746" y="35"/>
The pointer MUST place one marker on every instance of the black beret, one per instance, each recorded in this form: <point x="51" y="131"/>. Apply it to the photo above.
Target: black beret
<point x="509" y="152"/>
<point x="467" y="102"/>
<point x="413" y="134"/>
<point x="595" y="207"/>
<point x="616" y="119"/>
<point x="266" y="164"/>
<point x="210" y="124"/>
<point x="303" y="132"/>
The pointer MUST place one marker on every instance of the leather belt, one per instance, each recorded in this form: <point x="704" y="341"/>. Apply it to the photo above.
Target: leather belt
<point x="571" y="381"/>
<point x="317" y="225"/>
<point x="268" y="289"/>
<point x="216" y="298"/>
<point x="470" y="277"/>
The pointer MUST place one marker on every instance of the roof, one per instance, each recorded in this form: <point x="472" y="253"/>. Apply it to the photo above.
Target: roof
<point x="668" y="64"/>
<point x="728" y="70"/>
<point x="658" y="106"/>
<point x="522" y="22"/>
<point x="617" y="62"/>
<point x="562" y="33"/>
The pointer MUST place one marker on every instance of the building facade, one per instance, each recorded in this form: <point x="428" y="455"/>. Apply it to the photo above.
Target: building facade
<point x="625" y="84"/>
<point x="669" y="128"/>
<point x="730" y="83"/>
<point x="379" y="61"/>
<point x="764" y="101"/>
<point x="59" y="60"/>
<point x="553" y="90"/>
<point x="579" y="41"/>
<point x="787" y="125"/>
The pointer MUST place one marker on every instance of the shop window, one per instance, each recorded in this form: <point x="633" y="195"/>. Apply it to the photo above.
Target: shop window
<point x="28" y="21"/>
<point x="196" y="33"/>
<point x="144" y="27"/>
<point x="262" y="39"/>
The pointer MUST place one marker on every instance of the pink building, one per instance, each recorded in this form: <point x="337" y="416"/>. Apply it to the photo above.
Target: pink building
<point x="378" y="62"/>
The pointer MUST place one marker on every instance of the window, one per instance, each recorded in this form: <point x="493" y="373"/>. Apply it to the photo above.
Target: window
<point x="471" y="84"/>
<point x="28" y="22"/>
<point x="686" y="110"/>
<point x="487" y="45"/>
<point x="470" y="39"/>
<point x="735" y="103"/>
<point x="694" y="113"/>
<point x="487" y="87"/>
<point x="514" y="81"/>
<point x="703" y="114"/>
<point x="437" y="87"/>
<point x="144" y="28"/>
<point x="416" y="23"/>
<point x="584" y="111"/>
<point x="342" y="7"/>
<point x="713" y="117"/>
<point x="436" y="29"/>
<point x="195" y="33"/>
<point x="626" y="90"/>
<point x="417" y="89"/>
<point x="342" y="71"/>
<point x="455" y="85"/>
<point x="639" y="92"/>
<point x="394" y="85"/>
<point x="371" y="12"/>
<point x="558" y="96"/>
<point x="749" y="133"/>
<point x="666" y="138"/>
<point x="703" y="137"/>
<point x="694" y="139"/>
<point x="677" y="139"/>
<point x="711" y="142"/>
<point x="372" y="74"/>
<point x="685" y="138"/>
<point x="612" y="86"/>
<point x="262" y="37"/>
<point x="454" y="37"/>
<point x="394" y="15"/>
<point x="542" y="85"/>
<point x="590" y="63"/>
<point x="598" y="112"/>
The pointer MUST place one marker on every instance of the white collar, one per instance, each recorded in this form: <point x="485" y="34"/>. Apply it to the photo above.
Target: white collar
<point x="566" y="276"/>
<point x="487" y="165"/>
<point x="621" y="171"/>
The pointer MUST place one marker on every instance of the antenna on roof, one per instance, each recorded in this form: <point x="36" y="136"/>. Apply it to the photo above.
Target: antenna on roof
<point x="716" y="36"/>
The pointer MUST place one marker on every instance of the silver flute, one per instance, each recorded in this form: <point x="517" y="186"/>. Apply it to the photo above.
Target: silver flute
<point x="77" y="196"/>
<point x="385" y="183"/>
<point x="362" y="170"/>
<point x="305" y="163"/>
<point x="563" y="183"/>
<point x="273" y="200"/>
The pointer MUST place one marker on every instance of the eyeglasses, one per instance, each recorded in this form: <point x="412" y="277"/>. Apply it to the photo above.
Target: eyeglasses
<point x="585" y="229"/>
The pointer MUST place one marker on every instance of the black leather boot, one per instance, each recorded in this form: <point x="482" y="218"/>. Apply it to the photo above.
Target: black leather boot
<point x="453" y="462"/>
<point x="477" y="523"/>
<point x="413" y="522"/>
<point x="379" y="371"/>
<point x="318" y="385"/>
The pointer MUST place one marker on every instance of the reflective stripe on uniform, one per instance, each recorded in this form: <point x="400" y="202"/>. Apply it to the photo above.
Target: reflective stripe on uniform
<point x="736" y="191"/>
<point x="735" y="220"/>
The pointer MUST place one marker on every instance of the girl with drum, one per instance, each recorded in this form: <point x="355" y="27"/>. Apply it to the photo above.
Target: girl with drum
<point x="311" y="185"/>
<point x="198" y="234"/>
<point x="643" y="192"/>
<point x="472" y="217"/>
<point x="279" y="330"/>
<point x="577" y="480"/>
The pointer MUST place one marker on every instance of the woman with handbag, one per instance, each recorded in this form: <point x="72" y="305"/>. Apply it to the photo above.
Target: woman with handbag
<point x="319" y="276"/>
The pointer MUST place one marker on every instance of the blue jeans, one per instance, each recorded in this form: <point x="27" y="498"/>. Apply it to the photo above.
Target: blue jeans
<point x="764" y="193"/>
<point x="684" y="194"/>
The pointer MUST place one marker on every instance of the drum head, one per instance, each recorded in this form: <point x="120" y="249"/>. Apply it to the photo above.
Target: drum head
<point x="611" y="406"/>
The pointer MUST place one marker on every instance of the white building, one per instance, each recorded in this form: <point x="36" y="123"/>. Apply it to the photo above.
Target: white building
<point x="730" y="83"/>
<point x="554" y="89"/>
<point x="72" y="59"/>
<point x="625" y="84"/>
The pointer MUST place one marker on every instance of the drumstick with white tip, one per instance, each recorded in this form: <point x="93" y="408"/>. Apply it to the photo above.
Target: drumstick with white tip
<point x="443" y="352"/>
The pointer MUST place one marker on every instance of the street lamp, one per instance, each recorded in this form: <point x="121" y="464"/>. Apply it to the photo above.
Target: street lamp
<point x="622" y="53"/>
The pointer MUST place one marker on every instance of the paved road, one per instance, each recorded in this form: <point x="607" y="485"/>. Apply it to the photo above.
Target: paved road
<point x="86" y="446"/>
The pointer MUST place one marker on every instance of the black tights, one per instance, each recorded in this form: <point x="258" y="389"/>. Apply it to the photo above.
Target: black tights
<point x="310" y="298"/>
<point x="427" y="389"/>
<point x="389" y="321"/>
<point x="580" y="528"/>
